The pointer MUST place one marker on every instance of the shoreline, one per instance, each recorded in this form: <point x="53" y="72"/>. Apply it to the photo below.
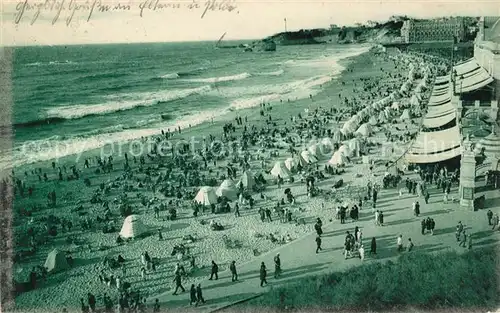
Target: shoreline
<point x="214" y="128"/>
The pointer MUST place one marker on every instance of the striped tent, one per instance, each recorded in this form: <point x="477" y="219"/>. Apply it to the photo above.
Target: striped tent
<point x="491" y="145"/>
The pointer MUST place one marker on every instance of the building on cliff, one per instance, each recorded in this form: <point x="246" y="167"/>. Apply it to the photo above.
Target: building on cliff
<point x="414" y="31"/>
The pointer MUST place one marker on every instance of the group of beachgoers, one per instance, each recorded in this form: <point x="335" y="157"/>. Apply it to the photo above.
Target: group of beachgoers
<point x="167" y="181"/>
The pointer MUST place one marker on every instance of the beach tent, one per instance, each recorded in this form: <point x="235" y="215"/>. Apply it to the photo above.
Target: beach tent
<point x="344" y="149"/>
<point x="56" y="261"/>
<point x="355" y="146"/>
<point x="132" y="227"/>
<point x="337" y="136"/>
<point x="405" y="116"/>
<point x="414" y="101"/>
<point x="308" y="157"/>
<point x="338" y="158"/>
<point x="373" y="120"/>
<point x="247" y="180"/>
<point x="206" y="196"/>
<point x="291" y="163"/>
<point x="280" y="169"/>
<point x="227" y="189"/>
<point x="364" y="130"/>
<point x="315" y="150"/>
<point x="382" y="118"/>
<point x="327" y="144"/>
<point x="395" y="106"/>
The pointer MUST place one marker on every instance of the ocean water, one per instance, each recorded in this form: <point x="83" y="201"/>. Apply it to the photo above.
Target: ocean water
<point x="69" y="99"/>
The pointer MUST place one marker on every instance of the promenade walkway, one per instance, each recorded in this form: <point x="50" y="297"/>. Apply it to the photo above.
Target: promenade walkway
<point x="299" y="259"/>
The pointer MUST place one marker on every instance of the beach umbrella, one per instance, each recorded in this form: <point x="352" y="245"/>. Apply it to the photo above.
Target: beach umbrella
<point x="206" y="196"/>
<point x="227" y="189"/>
<point x="247" y="180"/>
<point x="338" y="158"/>
<point x="280" y="170"/>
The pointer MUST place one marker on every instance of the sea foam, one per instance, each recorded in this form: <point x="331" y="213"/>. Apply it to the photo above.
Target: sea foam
<point x="219" y="79"/>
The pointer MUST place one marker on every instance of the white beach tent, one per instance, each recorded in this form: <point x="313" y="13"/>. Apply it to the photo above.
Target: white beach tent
<point x="338" y="158"/>
<point x="308" y="157"/>
<point x="280" y="169"/>
<point x="206" y="196"/>
<point x="344" y="149"/>
<point x="364" y="130"/>
<point x="414" y="101"/>
<point x="132" y="227"/>
<point x="337" y="136"/>
<point x="355" y="146"/>
<point x="227" y="189"/>
<point x="315" y="150"/>
<point x="247" y="180"/>
<point x="395" y="106"/>
<point x="291" y="164"/>
<point x="373" y="120"/>
<point x="382" y="118"/>
<point x="405" y="116"/>
<point x="56" y="261"/>
<point x="327" y="145"/>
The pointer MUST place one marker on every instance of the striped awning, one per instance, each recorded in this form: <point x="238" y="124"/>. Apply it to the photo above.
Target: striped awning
<point x="490" y="143"/>
<point x="428" y="143"/>
<point x="434" y="157"/>
<point x="466" y="67"/>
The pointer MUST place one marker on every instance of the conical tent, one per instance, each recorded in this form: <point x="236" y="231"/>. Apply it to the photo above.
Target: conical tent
<point x="414" y="101"/>
<point x="132" y="227"/>
<point x="280" y="170"/>
<point x="344" y="149"/>
<point x="206" y="196"/>
<point x="395" y="106"/>
<point x="364" y="130"/>
<point x="315" y="150"/>
<point x="308" y="157"/>
<point x="291" y="163"/>
<point x="338" y="158"/>
<point x="382" y="117"/>
<point x="405" y="116"/>
<point x="337" y="136"/>
<point x="247" y="180"/>
<point x="56" y="261"/>
<point x="227" y="189"/>
<point x="373" y="120"/>
<point x="355" y="146"/>
<point x="327" y="144"/>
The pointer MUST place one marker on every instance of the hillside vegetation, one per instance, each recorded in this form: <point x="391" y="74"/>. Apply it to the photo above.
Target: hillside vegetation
<point x="418" y="282"/>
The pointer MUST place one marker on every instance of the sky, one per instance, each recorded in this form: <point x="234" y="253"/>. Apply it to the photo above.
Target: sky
<point x="82" y="22"/>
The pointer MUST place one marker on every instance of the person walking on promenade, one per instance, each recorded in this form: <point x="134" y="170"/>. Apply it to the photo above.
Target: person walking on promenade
<point x="410" y="245"/>
<point x="178" y="283"/>
<point x="192" y="295"/>
<point x="463" y="239"/>
<point x="215" y="271"/>
<point x="263" y="274"/>
<point x="417" y="209"/>
<point x="373" y="246"/>
<point x="317" y="227"/>
<point x="469" y="241"/>
<point x="423" y="226"/>
<point x="361" y="251"/>
<point x="234" y="274"/>
<point x="495" y="221"/>
<point x="460" y="229"/>
<point x="400" y="243"/>
<point x="318" y="244"/>
<point x="489" y="214"/>
<point x="277" y="266"/>
<point x="432" y="225"/>
<point x="426" y="197"/>
<point x="199" y="295"/>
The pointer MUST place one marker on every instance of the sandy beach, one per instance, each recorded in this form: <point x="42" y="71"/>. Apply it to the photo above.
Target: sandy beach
<point x="242" y="238"/>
